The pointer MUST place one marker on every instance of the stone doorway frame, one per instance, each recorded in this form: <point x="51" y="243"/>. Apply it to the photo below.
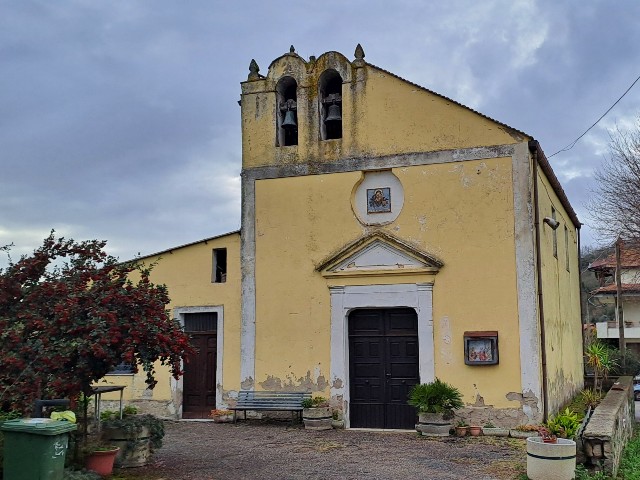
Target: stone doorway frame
<point x="344" y="299"/>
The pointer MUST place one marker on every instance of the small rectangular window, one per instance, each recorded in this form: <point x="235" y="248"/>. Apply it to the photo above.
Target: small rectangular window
<point x="555" y="234"/>
<point x="566" y="247"/>
<point x="219" y="274"/>
<point x="122" y="369"/>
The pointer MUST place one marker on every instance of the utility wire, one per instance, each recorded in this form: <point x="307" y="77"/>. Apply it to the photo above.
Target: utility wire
<point x="572" y="144"/>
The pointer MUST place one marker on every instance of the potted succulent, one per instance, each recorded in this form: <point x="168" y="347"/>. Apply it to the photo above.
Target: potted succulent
<point x="461" y="428"/>
<point x="436" y="402"/>
<point x="316" y="413"/>
<point x="136" y="435"/>
<point x="221" y="416"/>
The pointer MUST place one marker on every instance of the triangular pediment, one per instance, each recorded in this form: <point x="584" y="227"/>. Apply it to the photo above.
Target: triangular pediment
<point x="379" y="253"/>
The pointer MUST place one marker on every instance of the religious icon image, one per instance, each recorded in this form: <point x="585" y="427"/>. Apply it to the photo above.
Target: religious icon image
<point x="481" y="348"/>
<point x="378" y="200"/>
<point x="480" y="351"/>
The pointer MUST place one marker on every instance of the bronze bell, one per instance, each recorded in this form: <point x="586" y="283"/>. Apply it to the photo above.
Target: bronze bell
<point x="289" y="120"/>
<point x="333" y="114"/>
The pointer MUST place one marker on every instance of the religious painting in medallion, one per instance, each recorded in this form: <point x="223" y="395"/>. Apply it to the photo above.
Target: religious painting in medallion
<point x="379" y="200"/>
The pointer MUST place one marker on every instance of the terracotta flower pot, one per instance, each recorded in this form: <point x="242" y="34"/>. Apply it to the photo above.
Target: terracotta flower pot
<point x="461" y="431"/>
<point x="101" y="461"/>
<point x="475" y="431"/>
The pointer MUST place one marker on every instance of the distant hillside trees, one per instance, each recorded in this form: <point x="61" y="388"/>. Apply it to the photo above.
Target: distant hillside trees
<point x="615" y="206"/>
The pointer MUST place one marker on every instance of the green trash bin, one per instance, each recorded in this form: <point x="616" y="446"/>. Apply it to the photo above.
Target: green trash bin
<point x="35" y="448"/>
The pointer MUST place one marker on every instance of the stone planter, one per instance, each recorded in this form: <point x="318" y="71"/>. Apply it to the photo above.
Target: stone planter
<point x="522" y="434"/>
<point x="495" y="431"/>
<point x="134" y="451"/>
<point x="433" y="425"/>
<point x="337" y="424"/>
<point x="317" y="418"/>
<point x="551" y="461"/>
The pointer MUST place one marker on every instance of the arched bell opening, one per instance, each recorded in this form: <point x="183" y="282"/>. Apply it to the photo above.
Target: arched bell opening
<point x="330" y="87"/>
<point x="287" y="115"/>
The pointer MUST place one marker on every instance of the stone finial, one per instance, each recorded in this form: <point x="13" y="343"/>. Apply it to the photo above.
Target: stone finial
<point x="253" y="70"/>
<point x="292" y="49"/>
<point x="359" y="53"/>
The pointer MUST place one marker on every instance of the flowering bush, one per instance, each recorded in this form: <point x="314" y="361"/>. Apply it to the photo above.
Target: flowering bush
<point x="217" y="413"/>
<point x="69" y="313"/>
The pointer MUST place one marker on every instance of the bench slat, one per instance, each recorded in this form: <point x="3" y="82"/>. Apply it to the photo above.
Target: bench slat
<point x="268" y="400"/>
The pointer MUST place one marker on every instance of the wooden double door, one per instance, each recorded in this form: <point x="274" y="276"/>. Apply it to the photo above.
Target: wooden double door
<point x="383" y="366"/>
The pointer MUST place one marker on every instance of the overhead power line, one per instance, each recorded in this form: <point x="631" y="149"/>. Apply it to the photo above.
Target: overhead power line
<point x="572" y="144"/>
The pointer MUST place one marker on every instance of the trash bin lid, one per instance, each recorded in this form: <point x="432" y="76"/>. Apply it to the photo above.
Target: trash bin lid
<point x="38" y="426"/>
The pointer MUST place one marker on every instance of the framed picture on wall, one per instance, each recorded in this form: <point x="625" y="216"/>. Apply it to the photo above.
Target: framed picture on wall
<point x="481" y="348"/>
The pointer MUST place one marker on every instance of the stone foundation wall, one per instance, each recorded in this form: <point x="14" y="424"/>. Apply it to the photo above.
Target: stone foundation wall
<point x="610" y="427"/>
<point x="157" y="408"/>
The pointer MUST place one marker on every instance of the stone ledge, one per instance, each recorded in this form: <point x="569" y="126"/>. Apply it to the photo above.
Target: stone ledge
<point x="610" y="427"/>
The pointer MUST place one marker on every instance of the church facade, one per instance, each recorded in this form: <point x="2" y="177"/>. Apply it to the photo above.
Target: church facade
<point x="389" y="236"/>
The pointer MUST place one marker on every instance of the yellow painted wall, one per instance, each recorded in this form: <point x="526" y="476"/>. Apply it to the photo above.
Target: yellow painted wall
<point x="187" y="273"/>
<point x="382" y="115"/>
<point x="561" y="299"/>
<point x="460" y="212"/>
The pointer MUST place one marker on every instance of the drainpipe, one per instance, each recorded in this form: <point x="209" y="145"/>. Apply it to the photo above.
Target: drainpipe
<point x="583" y="319"/>
<point x="533" y="148"/>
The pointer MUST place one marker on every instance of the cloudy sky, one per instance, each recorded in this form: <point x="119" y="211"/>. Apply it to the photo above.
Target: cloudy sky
<point x="119" y="119"/>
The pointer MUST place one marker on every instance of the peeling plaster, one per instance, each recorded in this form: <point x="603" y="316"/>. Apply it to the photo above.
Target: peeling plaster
<point x="529" y="403"/>
<point x="445" y="334"/>
<point x="247" y="384"/>
<point x="290" y="383"/>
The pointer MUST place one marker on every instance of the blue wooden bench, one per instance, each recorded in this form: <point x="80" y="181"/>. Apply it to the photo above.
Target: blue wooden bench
<point x="272" y="401"/>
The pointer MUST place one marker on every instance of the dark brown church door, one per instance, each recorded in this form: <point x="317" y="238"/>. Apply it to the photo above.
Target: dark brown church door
<point x="199" y="381"/>
<point x="383" y="366"/>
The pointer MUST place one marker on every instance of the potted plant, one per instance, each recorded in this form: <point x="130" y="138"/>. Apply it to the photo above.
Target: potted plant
<point x="461" y="428"/>
<point x="475" y="430"/>
<point x="436" y="402"/>
<point x="316" y="413"/>
<point x="221" y="416"/>
<point x="136" y="435"/>
<point x="490" y="429"/>
<point x="554" y="450"/>
<point x="337" y="421"/>
<point x="99" y="457"/>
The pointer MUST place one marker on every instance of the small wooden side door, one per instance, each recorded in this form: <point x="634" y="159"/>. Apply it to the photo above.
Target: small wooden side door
<point x="199" y="381"/>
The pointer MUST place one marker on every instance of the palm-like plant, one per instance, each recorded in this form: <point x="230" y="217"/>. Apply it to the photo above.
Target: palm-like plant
<point x="598" y="357"/>
<point x="435" y="397"/>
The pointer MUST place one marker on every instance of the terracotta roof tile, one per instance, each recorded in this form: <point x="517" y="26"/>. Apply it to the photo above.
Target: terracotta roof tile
<point x="611" y="289"/>
<point x="629" y="257"/>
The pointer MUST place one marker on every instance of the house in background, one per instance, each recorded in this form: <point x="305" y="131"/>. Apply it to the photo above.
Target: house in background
<point x="389" y="236"/>
<point x="604" y="270"/>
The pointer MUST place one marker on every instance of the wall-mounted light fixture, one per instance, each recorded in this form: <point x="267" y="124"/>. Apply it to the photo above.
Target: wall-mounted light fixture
<point x="552" y="222"/>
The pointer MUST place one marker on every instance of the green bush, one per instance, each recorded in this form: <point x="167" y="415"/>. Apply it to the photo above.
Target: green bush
<point x="631" y="362"/>
<point x="435" y="397"/>
<point x="564" y="425"/>
<point x="315" y="402"/>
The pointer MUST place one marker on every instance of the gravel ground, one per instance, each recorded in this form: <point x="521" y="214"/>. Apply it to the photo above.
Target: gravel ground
<point x="208" y="451"/>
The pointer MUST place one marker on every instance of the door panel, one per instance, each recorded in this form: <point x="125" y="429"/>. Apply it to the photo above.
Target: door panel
<point x="383" y="365"/>
<point x="199" y="381"/>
